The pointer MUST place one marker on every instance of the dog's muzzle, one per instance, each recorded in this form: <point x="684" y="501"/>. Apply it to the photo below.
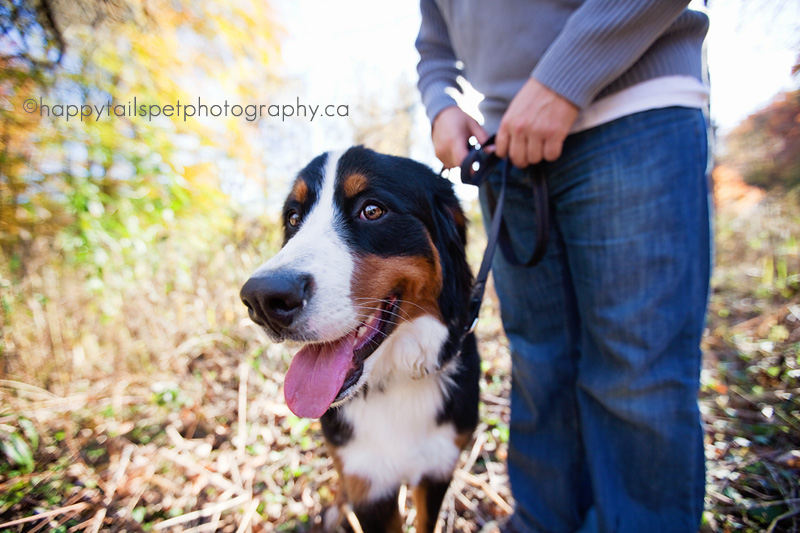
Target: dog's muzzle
<point x="276" y="299"/>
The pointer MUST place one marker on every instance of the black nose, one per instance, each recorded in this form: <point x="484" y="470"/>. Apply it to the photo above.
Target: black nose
<point x="277" y="298"/>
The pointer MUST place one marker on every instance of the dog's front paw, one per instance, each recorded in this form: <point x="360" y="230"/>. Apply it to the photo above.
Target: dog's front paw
<point x="416" y="349"/>
<point x="422" y="368"/>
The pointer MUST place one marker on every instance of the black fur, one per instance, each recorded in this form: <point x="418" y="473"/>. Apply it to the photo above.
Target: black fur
<point x="313" y="175"/>
<point x="421" y="211"/>
<point x="460" y="408"/>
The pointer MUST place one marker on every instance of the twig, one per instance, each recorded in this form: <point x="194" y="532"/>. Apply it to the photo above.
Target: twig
<point x="214" y="523"/>
<point x="46" y="514"/>
<point x="759" y="505"/>
<point x="25" y="478"/>
<point x="236" y="474"/>
<point x="778" y="412"/>
<point x="46" y="523"/>
<point x="490" y="492"/>
<point x="124" y="461"/>
<point x="176" y="438"/>
<point x="401" y="499"/>
<point x="209" y="338"/>
<point x="352" y="519"/>
<point x="787" y="514"/>
<point x="76" y="401"/>
<point x="82" y="526"/>
<point x="465" y="502"/>
<point x="151" y="470"/>
<point x="217" y="479"/>
<point x="719" y="497"/>
<point x="248" y="516"/>
<point x="243" y="374"/>
<point x="33" y="390"/>
<point x="202" y="513"/>
<point x="480" y="440"/>
<point x="412" y="515"/>
<point x="451" y="516"/>
<point x="496" y="400"/>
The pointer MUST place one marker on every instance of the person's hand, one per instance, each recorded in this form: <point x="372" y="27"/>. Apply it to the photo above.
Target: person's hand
<point x="535" y="125"/>
<point x="452" y="127"/>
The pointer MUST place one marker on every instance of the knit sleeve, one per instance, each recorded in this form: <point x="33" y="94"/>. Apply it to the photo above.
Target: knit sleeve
<point x="437" y="67"/>
<point x="600" y="41"/>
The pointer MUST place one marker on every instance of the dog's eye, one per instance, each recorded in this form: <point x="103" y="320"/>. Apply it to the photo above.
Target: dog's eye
<point x="293" y="218"/>
<point x="371" y="212"/>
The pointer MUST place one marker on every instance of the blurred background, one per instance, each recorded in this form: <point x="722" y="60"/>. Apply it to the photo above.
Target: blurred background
<point x="135" y="395"/>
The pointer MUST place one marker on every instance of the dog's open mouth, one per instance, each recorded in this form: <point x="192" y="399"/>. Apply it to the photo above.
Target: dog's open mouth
<point x="322" y="374"/>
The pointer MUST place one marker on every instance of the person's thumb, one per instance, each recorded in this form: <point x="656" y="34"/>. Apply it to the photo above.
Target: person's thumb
<point x="477" y="130"/>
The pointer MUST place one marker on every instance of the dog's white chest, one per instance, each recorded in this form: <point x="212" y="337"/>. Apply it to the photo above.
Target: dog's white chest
<point x="396" y="438"/>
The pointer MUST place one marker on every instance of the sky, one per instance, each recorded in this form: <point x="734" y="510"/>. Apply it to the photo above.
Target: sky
<point x="349" y="50"/>
<point x="751" y="50"/>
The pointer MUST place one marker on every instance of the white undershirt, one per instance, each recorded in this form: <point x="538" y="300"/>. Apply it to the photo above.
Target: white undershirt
<point x="667" y="91"/>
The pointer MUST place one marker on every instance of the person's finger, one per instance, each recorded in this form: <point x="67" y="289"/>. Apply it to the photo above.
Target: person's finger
<point x="501" y="141"/>
<point x="518" y="149"/>
<point x="457" y="154"/>
<point x="534" y="150"/>
<point x="478" y="131"/>
<point x="446" y="157"/>
<point x="442" y="154"/>
<point x="552" y="148"/>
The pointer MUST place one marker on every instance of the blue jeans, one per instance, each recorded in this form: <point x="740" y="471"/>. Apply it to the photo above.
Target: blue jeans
<point x="605" y="331"/>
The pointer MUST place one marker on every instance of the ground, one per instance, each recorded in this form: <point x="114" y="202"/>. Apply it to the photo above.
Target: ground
<point x="204" y="441"/>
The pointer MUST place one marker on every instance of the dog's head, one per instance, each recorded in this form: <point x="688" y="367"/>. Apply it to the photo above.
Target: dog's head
<point x="373" y="243"/>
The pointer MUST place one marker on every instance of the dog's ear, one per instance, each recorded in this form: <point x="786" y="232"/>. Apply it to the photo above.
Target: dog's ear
<point x="450" y="240"/>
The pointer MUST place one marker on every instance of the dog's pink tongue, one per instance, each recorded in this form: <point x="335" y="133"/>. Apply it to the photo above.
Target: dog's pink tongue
<point x="316" y="375"/>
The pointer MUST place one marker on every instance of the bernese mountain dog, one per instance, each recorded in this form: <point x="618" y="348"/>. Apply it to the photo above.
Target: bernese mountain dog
<point x="373" y="281"/>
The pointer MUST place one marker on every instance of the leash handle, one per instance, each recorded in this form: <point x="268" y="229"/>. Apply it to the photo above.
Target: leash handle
<point x="475" y="169"/>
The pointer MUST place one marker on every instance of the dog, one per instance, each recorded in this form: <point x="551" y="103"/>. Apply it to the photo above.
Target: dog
<point x="373" y="281"/>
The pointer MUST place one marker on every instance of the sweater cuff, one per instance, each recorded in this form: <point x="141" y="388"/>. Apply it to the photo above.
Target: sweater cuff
<point x="435" y="99"/>
<point x="600" y="41"/>
<point x="566" y="81"/>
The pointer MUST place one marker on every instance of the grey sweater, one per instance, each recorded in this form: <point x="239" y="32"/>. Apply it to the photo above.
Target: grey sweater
<point x="581" y="49"/>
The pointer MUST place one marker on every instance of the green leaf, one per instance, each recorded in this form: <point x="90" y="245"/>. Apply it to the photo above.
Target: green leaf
<point x="17" y="451"/>
<point x="138" y="514"/>
<point x="30" y="432"/>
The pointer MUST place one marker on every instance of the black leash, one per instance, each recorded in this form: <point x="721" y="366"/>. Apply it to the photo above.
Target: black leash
<point x="475" y="169"/>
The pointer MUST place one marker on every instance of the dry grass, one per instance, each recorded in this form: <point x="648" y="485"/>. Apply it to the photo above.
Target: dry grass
<point x="140" y="397"/>
<point x="147" y="400"/>
<point x="751" y="375"/>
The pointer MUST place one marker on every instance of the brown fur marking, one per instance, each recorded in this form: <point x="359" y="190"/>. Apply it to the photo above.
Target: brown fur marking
<point x="458" y="217"/>
<point x="418" y="279"/>
<point x="462" y="439"/>
<point x="300" y="190"/>
<point x="354" y="489"/>
<point x="354" y="184"/>
<point x="420" y="497"/>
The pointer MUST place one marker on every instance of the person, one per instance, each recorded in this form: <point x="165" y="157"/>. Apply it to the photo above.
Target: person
<point x="608" y="97"/>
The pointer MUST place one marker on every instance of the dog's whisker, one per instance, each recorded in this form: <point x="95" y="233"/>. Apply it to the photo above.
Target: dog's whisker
<point x="376" y="330"/>
<point x="376" y="300"/>
<point x="411" y="303"/>
<point x="387" y="321"/>
<point x="363" y="307"/>
<point x="395" y="315"/>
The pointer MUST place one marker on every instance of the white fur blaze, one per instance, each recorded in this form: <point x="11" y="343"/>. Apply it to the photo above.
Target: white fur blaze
<point x="319" y="250"/>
